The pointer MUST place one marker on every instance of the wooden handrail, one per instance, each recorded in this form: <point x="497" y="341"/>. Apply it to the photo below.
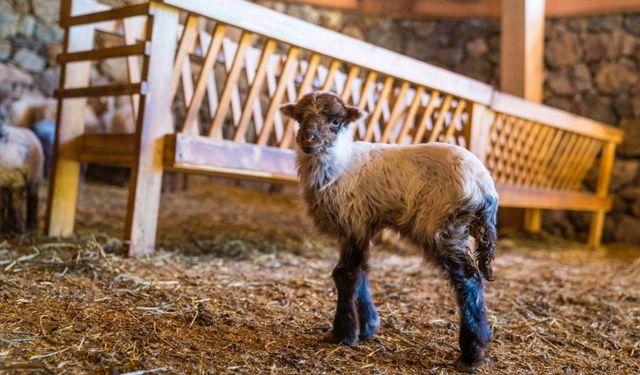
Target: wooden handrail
<point x="514" y="106"/>
<point x="263" y="21"/>
<point x="107" y="15"/>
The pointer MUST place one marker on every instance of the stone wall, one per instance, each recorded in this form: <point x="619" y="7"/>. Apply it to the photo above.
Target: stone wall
<point x="30" y="38"/>
<point x="592" y="68"/>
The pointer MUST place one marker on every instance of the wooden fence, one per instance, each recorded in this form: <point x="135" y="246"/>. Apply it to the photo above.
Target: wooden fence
<point x="206" y="79"/>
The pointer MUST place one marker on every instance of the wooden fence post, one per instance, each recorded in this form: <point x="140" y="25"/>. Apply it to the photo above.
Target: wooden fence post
<point x="482" y="119"/>
<point x="65" y="173"/>
<point x="155" y="120"/>
<point x="602" y="190"/>
<point x="522" y="65"/>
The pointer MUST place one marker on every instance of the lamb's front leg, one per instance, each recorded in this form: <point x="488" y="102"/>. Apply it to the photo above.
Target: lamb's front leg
<point x="347" y="275"/>
<point x="367" y="314"/>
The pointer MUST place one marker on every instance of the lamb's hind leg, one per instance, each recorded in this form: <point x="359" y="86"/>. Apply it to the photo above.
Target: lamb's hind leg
<point x="15" y="221"/>
<point x="367" y="314"/>
<point x="475" y="333"/>
<point x="346" y="274"/>
<point x="32" y="207"/>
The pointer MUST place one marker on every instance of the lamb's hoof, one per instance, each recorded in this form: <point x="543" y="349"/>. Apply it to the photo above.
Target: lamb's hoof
<point x="462" y="366"/>
<point x="338" y="339"/>
<point x="369" y="329"/>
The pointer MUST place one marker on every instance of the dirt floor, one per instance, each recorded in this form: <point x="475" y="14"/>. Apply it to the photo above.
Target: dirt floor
<point x="241" y="284"/>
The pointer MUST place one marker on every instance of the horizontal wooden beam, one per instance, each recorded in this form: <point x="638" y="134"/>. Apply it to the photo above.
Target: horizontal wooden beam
<point x="222" y="157"/>
<point x="520" y="197"/>
<point x="107" y="149"/>
<point x="471" y="8"/>
<point x="106" y="90"/>
<point x="142" y="48"/>
<point x="107" y="15"/>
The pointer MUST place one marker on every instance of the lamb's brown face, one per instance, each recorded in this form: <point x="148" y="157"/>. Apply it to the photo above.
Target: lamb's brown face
<point x="322" y="116"/>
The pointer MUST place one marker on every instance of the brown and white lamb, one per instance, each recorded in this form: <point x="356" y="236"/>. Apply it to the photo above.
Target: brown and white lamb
<point x="436" y="195"/>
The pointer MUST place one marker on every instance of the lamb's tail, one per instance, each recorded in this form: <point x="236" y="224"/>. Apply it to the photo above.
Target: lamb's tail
<point x="483" y="229"/>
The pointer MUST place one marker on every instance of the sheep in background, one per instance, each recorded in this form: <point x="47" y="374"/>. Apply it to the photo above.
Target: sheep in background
<point x="21" y="164"/>
<point x="436" y="195"/>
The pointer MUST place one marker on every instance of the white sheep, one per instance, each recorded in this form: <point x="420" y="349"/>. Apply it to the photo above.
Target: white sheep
<point x="435" y="195"/>
<point x="21" y="164"/>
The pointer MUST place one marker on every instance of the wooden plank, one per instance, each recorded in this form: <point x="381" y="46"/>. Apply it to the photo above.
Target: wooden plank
<point x="154" y="122"/>
<point x="515" y="106"/>
<point x="106" y="90"/>
<point x="396" y="112"/>
<point x="563" y="8"/>
<point x="203" y="80"/>
<point x="202" y="152"/>
<point x="333" y="68"/>
<point x="348" y="85"/>
<point x="107" y="15"/>
<point x="254" y="91"/>
<point x="107" y="149"/>
<point x="375" y="116"/>
<point x="251" y="68"/>
<point x="272" y="24"/>
<point x="428" y="111"/>
<point x="442" y="114"/>
<point x="105" y="53"/>
<point x="454" y="120"/>
<point x="522" y="40"/>
<point x="229" y="48"/>
<point x="430" y="9"/>
<point x="409" y="119"/>
<point x="187" y="41"/>
<point x="64" y="183"/>
<point x="212" y="90"/>
<point x="602" y="190"/>
<point x="481" y="120"/>
<point x="519" y="197"/>
<point x="367" y="88"/>
<point x="530" y="151"/>
<point x="287" y="71"/>
<point x="134" y="28"/>
<point x="215" y="130"/>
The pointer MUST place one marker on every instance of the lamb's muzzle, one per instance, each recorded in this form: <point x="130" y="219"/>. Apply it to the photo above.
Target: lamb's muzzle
<point x="436" y="195"/>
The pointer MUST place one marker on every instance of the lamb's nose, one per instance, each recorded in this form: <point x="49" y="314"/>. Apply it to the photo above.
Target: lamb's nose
<point x="309" y="138"/>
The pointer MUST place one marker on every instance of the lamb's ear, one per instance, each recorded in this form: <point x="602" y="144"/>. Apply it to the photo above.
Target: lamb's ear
<point x="354" y="114"/>
<point x="288" y="109"/>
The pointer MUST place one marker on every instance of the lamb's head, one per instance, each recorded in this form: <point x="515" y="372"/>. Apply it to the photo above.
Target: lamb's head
<point x="323" y="116"/>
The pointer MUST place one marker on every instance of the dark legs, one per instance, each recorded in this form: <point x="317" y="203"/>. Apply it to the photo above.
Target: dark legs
<point x="468" y="284"/>
<point x="32" y="207"/>
<point x="14" y="222"/>
<point x="4" y="210"/>
<point x="367" y="314"/>
<point x="475" y="333"/>
<point x="355" y="314"/>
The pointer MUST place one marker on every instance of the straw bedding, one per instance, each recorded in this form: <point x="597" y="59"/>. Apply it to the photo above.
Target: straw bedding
<point x="241" y="284"/>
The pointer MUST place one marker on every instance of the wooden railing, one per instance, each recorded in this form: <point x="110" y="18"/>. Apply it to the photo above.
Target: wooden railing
<point x="227" y="67"/>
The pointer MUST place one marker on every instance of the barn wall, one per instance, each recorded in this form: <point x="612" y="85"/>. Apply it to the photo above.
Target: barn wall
<point x="592" y="67"/>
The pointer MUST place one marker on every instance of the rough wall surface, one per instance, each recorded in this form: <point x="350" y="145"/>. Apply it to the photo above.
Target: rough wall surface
<point x="592" y="67"/>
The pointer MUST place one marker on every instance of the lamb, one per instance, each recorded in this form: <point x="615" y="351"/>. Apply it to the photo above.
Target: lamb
<point x="436" y="195"/>
<point x="21" y="164"/>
